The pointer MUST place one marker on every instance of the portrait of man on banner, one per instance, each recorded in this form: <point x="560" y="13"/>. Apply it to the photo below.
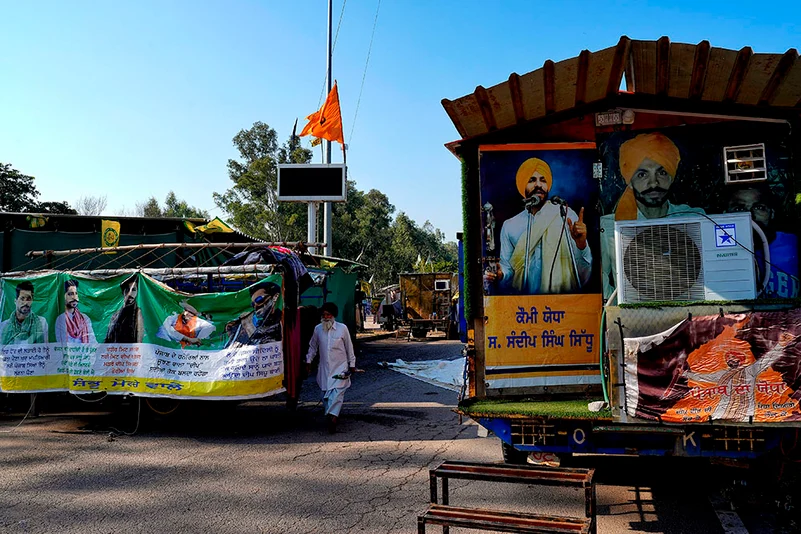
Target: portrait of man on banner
<point x="23" y="327"/>
<point x="680" y="172"/>
<point x="537" y="218"/>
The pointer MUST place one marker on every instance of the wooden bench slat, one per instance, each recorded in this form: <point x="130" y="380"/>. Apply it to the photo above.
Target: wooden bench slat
<point x="481" y="518"/>
<point x="575" y="478"/>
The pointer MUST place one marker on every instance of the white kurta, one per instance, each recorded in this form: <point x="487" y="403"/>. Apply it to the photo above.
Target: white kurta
<point x="336" y="355"/>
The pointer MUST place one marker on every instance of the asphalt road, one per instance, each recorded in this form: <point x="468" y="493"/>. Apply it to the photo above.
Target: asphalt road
<point x="257" y="467"/>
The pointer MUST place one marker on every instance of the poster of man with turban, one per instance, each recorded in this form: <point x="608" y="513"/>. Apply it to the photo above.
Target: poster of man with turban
<point x="648" y="164"/>
<point x="542" y="195"/>
<point x="679" y="171"/>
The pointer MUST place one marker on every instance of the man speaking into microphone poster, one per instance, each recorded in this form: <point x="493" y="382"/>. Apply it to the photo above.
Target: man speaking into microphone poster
<point x="543" y="198"/>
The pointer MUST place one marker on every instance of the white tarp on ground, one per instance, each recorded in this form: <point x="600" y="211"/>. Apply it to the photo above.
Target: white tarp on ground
<point x="448" y="374"/>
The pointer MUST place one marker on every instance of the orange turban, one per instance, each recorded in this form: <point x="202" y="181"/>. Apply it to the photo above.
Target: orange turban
<point x="527" y="169"/>
<point x="654" y="146"/>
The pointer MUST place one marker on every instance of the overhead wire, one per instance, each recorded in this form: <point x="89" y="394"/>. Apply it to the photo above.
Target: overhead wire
<point x="364" y="74"/>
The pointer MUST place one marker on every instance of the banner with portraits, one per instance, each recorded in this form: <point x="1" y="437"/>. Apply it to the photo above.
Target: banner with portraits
<point x="541" y="260"/>
<point x="133" y="334"/>
<point x="743" y="368"/>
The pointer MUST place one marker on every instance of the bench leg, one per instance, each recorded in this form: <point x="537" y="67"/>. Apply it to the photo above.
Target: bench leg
<point x="421" y="525"/>
<point x="433" y="481"/>
<point x="445" y="499"/>
<point x="589" y="496"/>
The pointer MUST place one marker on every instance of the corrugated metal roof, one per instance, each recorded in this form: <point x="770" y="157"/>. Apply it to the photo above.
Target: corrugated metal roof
<point x="661" y="68"/>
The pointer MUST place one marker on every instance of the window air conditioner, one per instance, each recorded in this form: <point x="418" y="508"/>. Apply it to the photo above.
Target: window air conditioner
<point x="685" y="258"/>
<point x="745" y="163"/>
<point x="442" y="285"/>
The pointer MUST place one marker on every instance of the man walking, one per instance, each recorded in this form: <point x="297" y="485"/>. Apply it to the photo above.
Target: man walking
<point x="331" y="340"/>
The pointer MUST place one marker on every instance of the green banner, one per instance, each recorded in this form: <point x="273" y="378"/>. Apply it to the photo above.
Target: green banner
<point x="133" y="334"/>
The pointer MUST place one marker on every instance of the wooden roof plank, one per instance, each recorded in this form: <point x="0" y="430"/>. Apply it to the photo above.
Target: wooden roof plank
<point x="532" y="86"/>
<point x="516" y="94"/>
<point x="779" y="75"/>
<point x="620" y="61"/>
<point x="643" y="58"/>
<point x="581" y="77"/>
<point x="500" y="101"/>
<point x="565" y="78"/>
<point x="738" y="74"/>
<point x="486" y="109"/>
<point x="662" y="65"/>
<point x="455" y="117"/>
<point x="788" y="94"/>
<point x="469" y="115"/>
<point x="721" y="62"/>
<point x="548" y="83"/>
<point x="700" y="66"/>
<point x="682" y="64"/>
<point x="599" y="69"/>
<point x="756" y="78"/>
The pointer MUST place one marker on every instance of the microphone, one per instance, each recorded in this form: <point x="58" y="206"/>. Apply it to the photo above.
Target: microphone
<point x="559" y="200"/>
<point x="532" y="201"/>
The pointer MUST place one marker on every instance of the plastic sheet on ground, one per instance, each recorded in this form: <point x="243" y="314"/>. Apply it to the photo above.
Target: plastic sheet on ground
<point x="448" y="374"/>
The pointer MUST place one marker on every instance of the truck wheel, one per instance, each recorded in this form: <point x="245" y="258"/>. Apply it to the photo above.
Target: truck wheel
<point x="512" y="455"/>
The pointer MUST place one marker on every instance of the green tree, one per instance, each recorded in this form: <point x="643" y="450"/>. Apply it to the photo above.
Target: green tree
<point x="53" y="207"/>
<point x="175" y="207"/>
<point x="17" y="191"/>
<point x="251" y="202"/>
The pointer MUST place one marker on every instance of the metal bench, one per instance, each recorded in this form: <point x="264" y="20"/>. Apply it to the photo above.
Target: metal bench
<point x="512" y="473"/>
<point x="476" y="518"/>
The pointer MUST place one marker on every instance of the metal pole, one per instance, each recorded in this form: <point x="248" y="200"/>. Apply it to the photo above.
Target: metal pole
<point x="328" y="208"/>
<point x="311" y="232"/>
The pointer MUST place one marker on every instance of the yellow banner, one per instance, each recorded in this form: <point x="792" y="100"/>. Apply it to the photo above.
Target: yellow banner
<point x="110" y="235"/>
<point x="554" y="336"/>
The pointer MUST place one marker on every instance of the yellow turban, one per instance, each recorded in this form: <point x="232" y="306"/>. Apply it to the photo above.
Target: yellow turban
<point x="527" y="169"/>
<point x="654" y="146"/>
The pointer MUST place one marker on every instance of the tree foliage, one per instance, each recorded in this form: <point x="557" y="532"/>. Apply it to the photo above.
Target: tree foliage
<point x="251" y="203"/>
<point x="173" y="207"/>
<point x="365" y="228"/>
<point x="18" y="193"/>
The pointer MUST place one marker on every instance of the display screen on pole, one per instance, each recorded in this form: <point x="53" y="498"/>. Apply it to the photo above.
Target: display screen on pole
<point x="312" y="182"/>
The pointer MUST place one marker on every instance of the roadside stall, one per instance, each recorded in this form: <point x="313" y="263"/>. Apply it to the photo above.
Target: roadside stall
<point x="631" y="255"/>
<point x="192" y="320"/>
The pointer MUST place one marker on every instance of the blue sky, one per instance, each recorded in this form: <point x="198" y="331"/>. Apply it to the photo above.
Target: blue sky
<point x="133" y="99"/>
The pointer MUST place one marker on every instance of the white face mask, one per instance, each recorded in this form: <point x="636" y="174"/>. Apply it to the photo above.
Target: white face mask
<point x="327" y="324"/>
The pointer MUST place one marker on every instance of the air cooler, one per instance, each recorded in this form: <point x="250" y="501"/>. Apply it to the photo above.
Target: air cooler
<point x="689" y="257"/>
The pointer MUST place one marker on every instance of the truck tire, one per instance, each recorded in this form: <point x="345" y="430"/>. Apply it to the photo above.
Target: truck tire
<point x="512" y="455"/>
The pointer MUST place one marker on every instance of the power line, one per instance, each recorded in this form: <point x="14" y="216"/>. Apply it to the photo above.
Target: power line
<point x="364" y="74"/>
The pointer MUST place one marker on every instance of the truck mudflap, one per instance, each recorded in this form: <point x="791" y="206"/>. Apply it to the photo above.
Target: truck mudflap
<point x="567" y="436"/>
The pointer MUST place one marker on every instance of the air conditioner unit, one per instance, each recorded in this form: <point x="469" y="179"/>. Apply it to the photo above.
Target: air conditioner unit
<point x="688" y="257"/>
<point x="442" y="285"/>
<point x="745" y="163"/>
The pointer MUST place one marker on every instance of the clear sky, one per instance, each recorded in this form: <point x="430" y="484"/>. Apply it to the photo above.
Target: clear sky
<point x="133" y="99"/>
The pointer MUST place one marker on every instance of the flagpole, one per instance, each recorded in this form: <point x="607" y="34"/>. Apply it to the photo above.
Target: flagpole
<point x="328" y="212"/>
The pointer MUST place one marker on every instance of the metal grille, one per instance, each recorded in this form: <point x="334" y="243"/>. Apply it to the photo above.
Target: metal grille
<point x="533" y="434"/>
<point x="662" y="262"/>
<point x="738" y="439"/>
<point x="745" y="163"/>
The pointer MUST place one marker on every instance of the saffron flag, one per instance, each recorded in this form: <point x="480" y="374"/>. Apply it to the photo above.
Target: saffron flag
<point x="110" y="235"/>
<point x="327" y="122"/>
